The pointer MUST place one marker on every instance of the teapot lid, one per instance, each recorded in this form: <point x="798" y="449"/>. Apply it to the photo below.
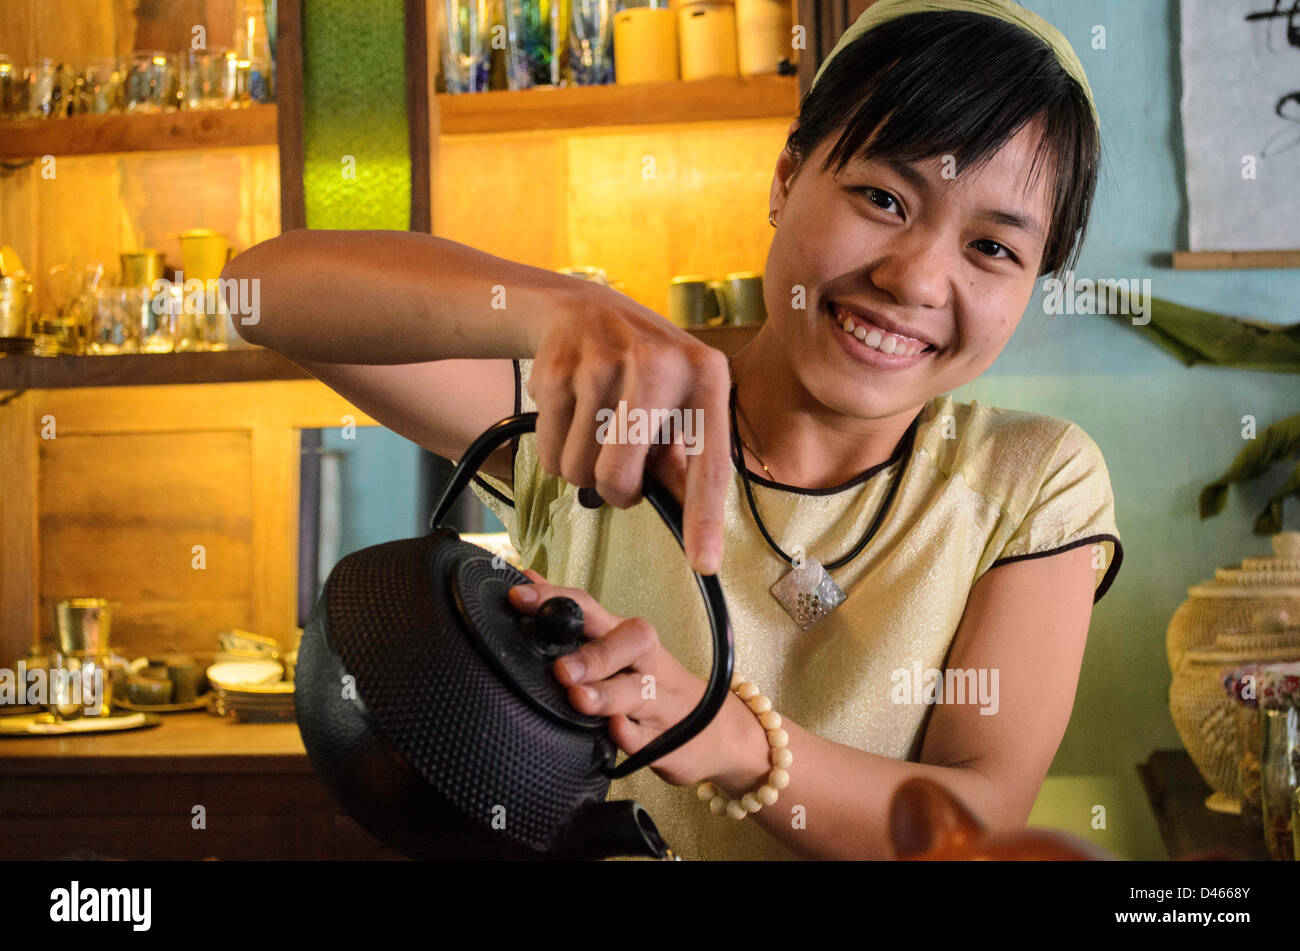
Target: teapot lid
<point x="521" y="650"/>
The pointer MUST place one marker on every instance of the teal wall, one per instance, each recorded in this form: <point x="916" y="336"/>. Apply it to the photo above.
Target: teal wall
<point x="1164" y="429"/>
<point x="380" y="481"/>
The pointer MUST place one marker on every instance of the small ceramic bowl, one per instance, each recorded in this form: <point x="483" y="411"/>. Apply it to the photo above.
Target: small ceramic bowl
<point x="147" y="691"/>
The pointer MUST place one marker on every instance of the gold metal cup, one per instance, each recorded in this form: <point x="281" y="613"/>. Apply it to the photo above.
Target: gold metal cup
<point x="141" y="268"/>
<point x="204" y="253"/>
<point x="83" y="625"/>
<point x="15" y="302"/>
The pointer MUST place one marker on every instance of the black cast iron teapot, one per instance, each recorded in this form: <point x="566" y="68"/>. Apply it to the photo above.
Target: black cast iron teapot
<point x="430" y="711"/>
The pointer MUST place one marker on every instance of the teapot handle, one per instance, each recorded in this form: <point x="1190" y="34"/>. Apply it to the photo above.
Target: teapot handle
<point x="663" y="502"/>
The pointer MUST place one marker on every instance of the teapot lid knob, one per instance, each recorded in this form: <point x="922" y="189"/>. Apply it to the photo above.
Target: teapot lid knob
<point x="559" y="624"/>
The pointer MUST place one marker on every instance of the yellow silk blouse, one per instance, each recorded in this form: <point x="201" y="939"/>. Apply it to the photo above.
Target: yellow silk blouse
<point x="981" y="487"/>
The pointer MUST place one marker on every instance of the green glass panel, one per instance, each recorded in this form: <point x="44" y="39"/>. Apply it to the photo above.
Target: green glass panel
<point x="357" y="167"/>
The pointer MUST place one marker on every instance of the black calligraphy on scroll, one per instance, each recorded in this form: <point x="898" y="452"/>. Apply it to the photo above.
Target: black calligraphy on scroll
<point x="1284" y="18"/>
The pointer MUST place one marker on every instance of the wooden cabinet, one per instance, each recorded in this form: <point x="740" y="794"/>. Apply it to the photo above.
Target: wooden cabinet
<point x="195" y="787"/>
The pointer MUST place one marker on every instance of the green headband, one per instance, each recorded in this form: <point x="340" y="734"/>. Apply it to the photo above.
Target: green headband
<point x="884" y="10"/>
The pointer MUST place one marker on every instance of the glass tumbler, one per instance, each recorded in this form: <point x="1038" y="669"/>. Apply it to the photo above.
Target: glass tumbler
<point x="161" y="316"/>
<point x="466" y="54"/>
<point x="152" y="84"/>
<point x="205" y="80"/>
<point x="13" y="89"/>
<point x="42" y="78"/>
<point x="536" y="42"/>
<point x="591" y="42"/>
<point x="111" y="328"/>
<point x="1279" y="762"/>
<point x="80" y="685"/>
<point x="105" y="90"/>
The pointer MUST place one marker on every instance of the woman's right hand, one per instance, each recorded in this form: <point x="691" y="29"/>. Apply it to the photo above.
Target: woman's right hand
<point x="608" y="348"/>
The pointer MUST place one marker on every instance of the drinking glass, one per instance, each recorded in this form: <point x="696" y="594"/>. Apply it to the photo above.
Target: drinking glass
<point x="42" y="77"/>
<point x="466" y="54"/>
<point x="591" y="42"/>
<point x="112" y="329"/>
<point x="1279" y="762"/>
<point x="152" y="84"/>
<point x="537" y="37"/>
<point x="13" y="89"/>
<point x="105" y="87"/>
<point x="206" y="80"/>
<point x="80" y="685"/>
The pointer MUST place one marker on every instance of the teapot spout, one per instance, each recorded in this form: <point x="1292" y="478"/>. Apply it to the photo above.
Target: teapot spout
<point x="601" y="830"/>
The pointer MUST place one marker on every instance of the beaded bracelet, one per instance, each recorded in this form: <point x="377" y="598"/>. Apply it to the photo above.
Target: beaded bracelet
<point x="777" y="738"/>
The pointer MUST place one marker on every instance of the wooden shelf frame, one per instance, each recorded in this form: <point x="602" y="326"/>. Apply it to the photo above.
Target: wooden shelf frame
<point x="573" y="107"/>
<point x="1231" y="260"/>
<point x="245" y="365"/>
<point x="141" y="132"/>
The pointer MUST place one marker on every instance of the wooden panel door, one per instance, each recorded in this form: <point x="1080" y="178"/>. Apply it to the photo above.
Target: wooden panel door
<point x="177" y="503"/>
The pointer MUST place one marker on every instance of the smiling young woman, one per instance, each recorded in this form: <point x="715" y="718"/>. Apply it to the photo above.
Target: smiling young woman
<point x="944" y="159"/>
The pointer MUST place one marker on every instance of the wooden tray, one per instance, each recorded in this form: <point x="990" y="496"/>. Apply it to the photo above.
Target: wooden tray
<point x="13" y="727"/>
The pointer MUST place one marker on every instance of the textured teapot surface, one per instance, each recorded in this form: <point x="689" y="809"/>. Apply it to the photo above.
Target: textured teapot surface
<point x="388" y="616"/>
<point x="429" y="708"/>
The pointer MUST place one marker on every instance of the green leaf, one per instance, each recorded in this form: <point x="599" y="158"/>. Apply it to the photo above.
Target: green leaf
<point x="1270" y="520"/>
<point x="1279" y="442"/>
<point x="1203" y="337"/>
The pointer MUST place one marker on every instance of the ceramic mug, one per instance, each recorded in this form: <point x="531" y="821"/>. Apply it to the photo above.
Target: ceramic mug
<point x="693" y="301"/>
<point x="743" y="298"/>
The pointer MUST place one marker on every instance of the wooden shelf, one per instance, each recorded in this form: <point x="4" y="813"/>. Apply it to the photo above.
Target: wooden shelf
<point x="168" y="131"/>
<point x="1227" y="260"/>
<point x="222" y="366"/>
<point x="1177" y="795"/>
<point x="143" y="369"/>
<point x="701" y="100"/>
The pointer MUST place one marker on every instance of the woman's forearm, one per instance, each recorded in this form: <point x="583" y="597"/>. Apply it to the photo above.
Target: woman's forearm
<point x="390" y="297"/>
<point x="837" y="803"/>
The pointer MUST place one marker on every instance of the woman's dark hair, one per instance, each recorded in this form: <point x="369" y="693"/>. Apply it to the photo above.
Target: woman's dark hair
<point x="959" y="84"/>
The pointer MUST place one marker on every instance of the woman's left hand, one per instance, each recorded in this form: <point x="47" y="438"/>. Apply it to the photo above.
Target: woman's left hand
<point x="625" y="674"/>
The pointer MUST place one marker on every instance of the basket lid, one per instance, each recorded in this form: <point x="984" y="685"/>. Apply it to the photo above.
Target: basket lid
<point x="1274" y="576"/>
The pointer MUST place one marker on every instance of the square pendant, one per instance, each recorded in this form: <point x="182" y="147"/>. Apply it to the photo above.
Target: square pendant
<point x="808" y="594"/>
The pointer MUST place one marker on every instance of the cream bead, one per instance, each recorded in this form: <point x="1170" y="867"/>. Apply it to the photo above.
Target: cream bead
<point x="777" y="739"/>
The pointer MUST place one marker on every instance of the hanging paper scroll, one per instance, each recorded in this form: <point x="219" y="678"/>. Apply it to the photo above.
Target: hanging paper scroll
<point x="1241" y="123"/>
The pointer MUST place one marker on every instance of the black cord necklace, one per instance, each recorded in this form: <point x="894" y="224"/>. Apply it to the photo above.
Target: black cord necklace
<point x="808" y="593"/>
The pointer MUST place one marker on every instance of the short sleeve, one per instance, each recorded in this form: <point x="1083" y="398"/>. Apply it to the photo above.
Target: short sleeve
<point x="1072" y="507"/>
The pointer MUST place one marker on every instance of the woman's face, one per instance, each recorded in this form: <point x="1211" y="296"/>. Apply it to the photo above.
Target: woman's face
<point x="943" y="259"/>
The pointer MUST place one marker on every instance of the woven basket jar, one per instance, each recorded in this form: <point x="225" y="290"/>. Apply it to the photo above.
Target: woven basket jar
<point x="1239" y="600"/>
<point x="1204" y="714"/>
